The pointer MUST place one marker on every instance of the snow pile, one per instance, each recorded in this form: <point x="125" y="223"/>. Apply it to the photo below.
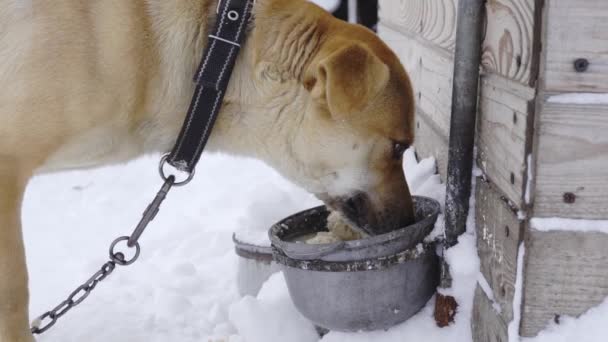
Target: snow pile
<point x="271" y="316"/>
<point x="579" y="98"/>
<point x="423" y="180"/>
<point x="513" y="328"/>
<point x="276" y="199"/>
<point x="592" y="326"/>
<point x="183" y="288"/>
<point x="563" y="224"/>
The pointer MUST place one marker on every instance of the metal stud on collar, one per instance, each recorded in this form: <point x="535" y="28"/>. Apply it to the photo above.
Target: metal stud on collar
<point x="219" y="4"/>
<point x="233" y="15"/>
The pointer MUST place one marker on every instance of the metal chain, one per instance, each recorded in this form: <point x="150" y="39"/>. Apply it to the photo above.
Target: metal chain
<point x="49" y="318"/>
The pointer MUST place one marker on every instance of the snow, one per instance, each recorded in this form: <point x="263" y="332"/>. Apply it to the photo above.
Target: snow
<point x="278" y="199"/>
<point x="183" y="287"/>
<point x="423" y="181"/>
<point x="592" y="326"/>
<point x="529" y="181"/>
<point x="564" y="224"/>
<point x="487" y="289"/>
<point x="271" y="316"/>
<point x="580" y="98"/>
<point x="513" y="328"/>
<point x="328" y="5"/>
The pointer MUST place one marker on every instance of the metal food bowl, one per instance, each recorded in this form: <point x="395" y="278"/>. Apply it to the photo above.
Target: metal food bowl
<point x="368" y="284"/>
<point x="255" y="266"/>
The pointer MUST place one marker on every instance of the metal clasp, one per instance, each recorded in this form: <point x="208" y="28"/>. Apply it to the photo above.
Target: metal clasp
<point x="150" y="212"/>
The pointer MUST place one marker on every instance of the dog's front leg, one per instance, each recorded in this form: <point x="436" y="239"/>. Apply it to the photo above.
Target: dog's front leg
<point x="14" y="326"/>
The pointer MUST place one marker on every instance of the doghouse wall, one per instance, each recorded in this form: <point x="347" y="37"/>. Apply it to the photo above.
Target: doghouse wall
<point x="536" y="155"/>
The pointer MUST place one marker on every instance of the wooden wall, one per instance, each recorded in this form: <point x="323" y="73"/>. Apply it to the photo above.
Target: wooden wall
<point x="539" y="157"/>
<point x="422" y="32"/>
<point x="566" y="271"/>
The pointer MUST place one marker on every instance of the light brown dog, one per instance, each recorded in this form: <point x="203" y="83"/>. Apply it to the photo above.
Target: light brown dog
<point x="86" y="83"/>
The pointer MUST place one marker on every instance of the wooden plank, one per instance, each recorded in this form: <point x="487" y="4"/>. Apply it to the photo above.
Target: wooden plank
<point x="576" y="29"/>
<point x="486" y="323"/>
<point x="431" y="143"/>
<point x="566" y="274"/>
<point x="434" y="21"/>
<point x="508" y="43"/>
<point x="504" y="134"/>
<point x="431" y="71"/>
<point x="572" y="161"/>
<point x="499" y="233"/>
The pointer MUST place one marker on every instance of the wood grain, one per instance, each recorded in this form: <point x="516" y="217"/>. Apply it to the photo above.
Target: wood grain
<point x="576" y="29"/>
<point x="434" y="21"/>
<point x="431" y="71"/>
<point x="509" y="33"/>
<point x="431" y="143"/>
<point x="504" y="132"/>
<point x="508" y="43"/>
<point x="499" y="233"/>
<point x="486" y="323"/>
<point x="566" y="274"/>
<point x="572" y="158"/>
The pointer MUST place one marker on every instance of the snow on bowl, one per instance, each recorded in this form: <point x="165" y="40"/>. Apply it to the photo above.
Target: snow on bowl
<point x="368" y="284"/>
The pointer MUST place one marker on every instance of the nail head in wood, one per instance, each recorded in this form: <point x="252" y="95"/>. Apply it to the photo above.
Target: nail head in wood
<point x="569" y="198"/>
<point x="581" y="65"/>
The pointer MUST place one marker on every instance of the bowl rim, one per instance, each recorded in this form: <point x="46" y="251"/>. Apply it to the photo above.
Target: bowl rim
<point x="427" y="249"/>
<point x="320" y="250"/>
<point x="250" y="248"/>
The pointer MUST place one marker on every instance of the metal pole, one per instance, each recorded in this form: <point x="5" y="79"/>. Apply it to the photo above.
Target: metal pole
<point x="467" y="60"/>
<point x="352" y="11"/>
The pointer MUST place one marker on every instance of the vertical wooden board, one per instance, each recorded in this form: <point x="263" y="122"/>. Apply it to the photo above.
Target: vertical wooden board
<point x="431" y="143"/>
<point x="508" y="43"/>
<point x="572" y="161"/>
<point x="499" y="232"/>
<point x="576" y="29"/>
<point x="486" y="323"/>
<point x="566" y="274"/>
<point x="504" y="131"/>
<point x="434" y="21"/>
<point x="431" y="71"/>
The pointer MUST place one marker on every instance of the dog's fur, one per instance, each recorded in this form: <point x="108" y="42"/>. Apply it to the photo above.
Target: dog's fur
<point x="86" y="83"/>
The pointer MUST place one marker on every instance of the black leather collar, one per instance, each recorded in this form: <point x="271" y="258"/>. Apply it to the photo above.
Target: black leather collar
<point x="211" y="80"/>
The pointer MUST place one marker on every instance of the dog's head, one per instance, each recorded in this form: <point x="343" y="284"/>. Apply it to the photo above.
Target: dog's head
<point x="358" y="122"/>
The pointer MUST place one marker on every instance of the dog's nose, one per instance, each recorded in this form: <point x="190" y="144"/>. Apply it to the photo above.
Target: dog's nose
<point x="355" y="205"/>
<point x="355" y="208"/>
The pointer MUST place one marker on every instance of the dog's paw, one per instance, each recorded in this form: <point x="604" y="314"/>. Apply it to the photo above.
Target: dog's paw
<point x="338" y="226"/>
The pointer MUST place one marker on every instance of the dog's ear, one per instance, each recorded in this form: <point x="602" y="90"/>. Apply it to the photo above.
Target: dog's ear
<point x="347" y="79"/>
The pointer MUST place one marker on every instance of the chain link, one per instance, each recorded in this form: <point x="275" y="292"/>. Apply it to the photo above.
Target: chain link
<point x="49" y="318"/>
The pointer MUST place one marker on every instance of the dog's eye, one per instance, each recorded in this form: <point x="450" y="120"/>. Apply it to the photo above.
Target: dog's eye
<point x="399" y="149"/>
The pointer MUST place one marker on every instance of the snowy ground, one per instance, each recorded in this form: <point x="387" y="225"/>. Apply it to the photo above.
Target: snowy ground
<point x="183" y="287"/>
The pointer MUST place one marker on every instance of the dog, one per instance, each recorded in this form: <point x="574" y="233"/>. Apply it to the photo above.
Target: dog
<point x="88" y="83"/>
